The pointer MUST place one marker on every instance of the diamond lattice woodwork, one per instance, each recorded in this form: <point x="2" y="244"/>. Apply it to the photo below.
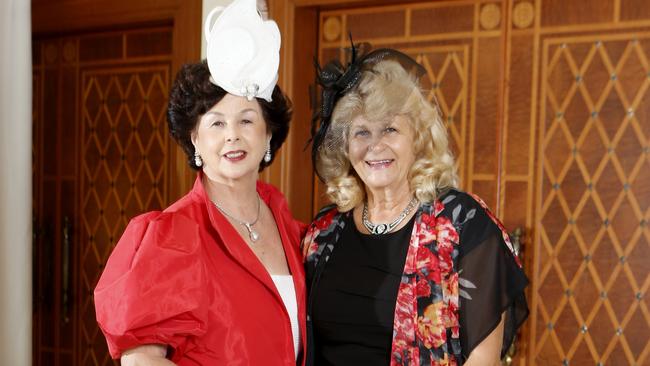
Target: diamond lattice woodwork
<point x="594" y="241"/>
<point x="445" y="82"/>
<point x="102" y="157"/>
<point x="123" y="171"/>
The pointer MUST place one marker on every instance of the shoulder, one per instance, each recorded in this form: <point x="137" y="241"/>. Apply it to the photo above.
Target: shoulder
<point x="473" y="220"/>
<point x="276" y="199"/>
<point x="153" y="237"/>
<point x="269" y="192"/>
<point x="461" y="207"/>
<point x="171" y="230"/>
<point x="327" y="216"/>
<point x="273" y="197"/>
<point x="322" y="226"/>
<point x="468" y="214"/>
<point x="455" y="197"/>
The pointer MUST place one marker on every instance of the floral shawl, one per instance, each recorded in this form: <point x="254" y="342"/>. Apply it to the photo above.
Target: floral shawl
<point x="426" y="320"/>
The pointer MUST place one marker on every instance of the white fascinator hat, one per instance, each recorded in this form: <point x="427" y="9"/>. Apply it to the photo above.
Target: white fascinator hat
<point x="243" y="50"/>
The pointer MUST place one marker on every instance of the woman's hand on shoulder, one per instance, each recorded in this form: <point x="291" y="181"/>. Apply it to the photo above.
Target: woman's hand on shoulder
<point x="146" y="355"/>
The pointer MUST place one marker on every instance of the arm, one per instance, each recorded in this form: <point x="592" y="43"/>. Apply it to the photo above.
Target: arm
<point x="488" y="352"/>
<point x="146" y="355"/>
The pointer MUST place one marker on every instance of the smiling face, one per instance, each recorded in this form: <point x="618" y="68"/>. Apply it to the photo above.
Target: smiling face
<point x="232" y="138"/>
<point x="382" y="152"/>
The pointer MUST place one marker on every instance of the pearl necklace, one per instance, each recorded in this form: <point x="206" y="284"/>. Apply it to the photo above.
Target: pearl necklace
<point x="252" y="234"/>
<point x="379" y="229"/>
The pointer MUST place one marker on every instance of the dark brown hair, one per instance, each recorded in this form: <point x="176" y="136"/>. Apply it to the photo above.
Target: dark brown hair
<point x="193" y="94"/>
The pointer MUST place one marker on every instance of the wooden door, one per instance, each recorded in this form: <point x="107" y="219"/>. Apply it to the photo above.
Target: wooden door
<point x="592" y="242"/>
<point x="102" y="155"/>
<point x="547" y="106"/>
<point x="107" y="161"/>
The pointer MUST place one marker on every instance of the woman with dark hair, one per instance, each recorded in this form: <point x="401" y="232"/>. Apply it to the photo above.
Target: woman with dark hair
<point x="216" y="278"/>
<point x="404" y="268"/>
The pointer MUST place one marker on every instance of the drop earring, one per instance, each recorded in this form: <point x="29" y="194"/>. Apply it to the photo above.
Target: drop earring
<point x="197" y="159"/>
<point x="267" y="155"/>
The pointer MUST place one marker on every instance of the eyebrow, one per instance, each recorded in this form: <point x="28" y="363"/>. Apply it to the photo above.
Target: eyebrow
<point x="240" y="112"/>
<point x="247" y="110"/>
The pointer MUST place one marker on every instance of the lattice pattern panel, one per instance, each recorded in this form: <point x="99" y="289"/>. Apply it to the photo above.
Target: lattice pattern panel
<point x="124" y="172"/>
<point x="446" y="83"/>
<point x="594" y="240"/>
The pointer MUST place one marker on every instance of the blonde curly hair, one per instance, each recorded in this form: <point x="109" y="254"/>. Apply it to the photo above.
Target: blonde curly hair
<point x="386" y="90"/>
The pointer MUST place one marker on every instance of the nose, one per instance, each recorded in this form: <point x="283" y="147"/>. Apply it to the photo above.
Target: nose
<point x="232" y="133"/>
<point x="376" y="144"/>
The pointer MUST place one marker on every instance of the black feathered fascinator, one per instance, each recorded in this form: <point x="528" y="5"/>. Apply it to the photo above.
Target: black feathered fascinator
<point x="336" y="80"/>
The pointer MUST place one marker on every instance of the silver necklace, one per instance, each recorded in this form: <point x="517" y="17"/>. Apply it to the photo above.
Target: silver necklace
<point x="379" y="229"/>
<point x="254" y="235"/>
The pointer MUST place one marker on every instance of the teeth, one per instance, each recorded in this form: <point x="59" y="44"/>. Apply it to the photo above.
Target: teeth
<point x="234" y="155"/>
<point x="377" y="162"/>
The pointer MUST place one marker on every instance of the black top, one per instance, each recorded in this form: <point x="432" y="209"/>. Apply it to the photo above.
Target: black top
<point x="354" y="301"/>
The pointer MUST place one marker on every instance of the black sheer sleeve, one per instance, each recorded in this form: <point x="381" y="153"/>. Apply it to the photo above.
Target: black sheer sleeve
<point x="491" y="282"/>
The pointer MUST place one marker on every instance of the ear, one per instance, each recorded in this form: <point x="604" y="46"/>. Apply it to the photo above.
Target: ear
<point x="194" y="136"/>
<point x="269" y="136"/>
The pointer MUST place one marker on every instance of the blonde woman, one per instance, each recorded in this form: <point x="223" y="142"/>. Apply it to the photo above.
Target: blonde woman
<point x="404" y="268"/>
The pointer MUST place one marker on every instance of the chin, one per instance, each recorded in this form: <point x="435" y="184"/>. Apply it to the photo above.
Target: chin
<point x="379" y="183"/>
<point x="238" y="173"/>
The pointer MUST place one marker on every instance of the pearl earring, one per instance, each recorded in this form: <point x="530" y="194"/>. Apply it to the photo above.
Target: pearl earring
<point x="197" y="159"/>
<point x="267" y="155"/>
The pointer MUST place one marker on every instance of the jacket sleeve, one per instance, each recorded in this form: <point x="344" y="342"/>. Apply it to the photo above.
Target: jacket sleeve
<point x="491" y="281"/>
<point x="151" y="289"/>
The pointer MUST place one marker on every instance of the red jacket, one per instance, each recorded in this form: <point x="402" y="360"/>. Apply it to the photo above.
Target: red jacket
<point x="185" y="278"/>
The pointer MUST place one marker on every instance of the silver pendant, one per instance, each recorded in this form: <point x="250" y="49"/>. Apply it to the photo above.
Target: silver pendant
<point x="385" y="228"/>
<point x="252" y="233"/>
<point x="380" y="229"/>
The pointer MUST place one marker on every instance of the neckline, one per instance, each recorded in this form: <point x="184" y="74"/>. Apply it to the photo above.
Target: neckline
<point x="409" y="224"/>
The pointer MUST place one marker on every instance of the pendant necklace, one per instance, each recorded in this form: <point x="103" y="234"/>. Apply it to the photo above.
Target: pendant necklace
<point x="252" y="234"/>
<point x="379" y="229"/>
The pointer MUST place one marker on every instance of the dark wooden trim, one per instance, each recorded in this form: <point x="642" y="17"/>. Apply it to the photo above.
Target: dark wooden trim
<point x="76" y="15"/>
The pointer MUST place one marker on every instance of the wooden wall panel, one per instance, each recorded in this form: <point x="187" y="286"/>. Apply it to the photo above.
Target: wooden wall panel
<point x="591" y="244"/>
<point x="446" y="18"/>
<point x="562" y="12"/>
<point x="592" y="151"/>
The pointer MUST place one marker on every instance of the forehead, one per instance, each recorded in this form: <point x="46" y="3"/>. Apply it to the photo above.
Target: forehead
<point x="235" y="104"/>
<point x="364" y="121"/>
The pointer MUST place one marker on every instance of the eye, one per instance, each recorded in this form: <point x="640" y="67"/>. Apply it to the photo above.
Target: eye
<point x="389" y="130"/>
<point x="246" y="121"/>
<point x="218" y="123"/>
<point x="361" y="133"/>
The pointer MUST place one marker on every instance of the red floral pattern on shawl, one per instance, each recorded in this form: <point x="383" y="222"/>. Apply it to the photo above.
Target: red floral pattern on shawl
<point x="429" y="265"/>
